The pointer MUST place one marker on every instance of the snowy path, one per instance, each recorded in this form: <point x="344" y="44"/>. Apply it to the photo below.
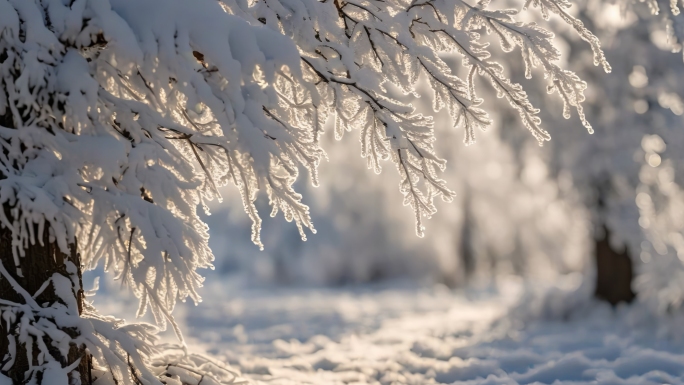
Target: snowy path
<point x="411" y="336"/>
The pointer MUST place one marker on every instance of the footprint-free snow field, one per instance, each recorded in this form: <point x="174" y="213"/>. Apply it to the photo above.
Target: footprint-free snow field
<point x="426" y="336"/>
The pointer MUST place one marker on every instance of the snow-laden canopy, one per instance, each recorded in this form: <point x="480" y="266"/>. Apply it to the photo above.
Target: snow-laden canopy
<point x="119" y="118"/>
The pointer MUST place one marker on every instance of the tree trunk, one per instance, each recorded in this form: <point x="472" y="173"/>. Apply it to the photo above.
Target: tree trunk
<point x="38" y="265"/>
<point x="614" y="272"/>
<point x="467" y="248"/>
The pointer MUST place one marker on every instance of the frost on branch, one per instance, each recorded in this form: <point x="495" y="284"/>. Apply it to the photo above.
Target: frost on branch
<point x="351" y="50"/>
<point x="669" y="13"/>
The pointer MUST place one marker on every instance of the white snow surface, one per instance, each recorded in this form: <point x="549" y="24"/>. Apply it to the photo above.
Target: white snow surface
<point x="404" y="334"/>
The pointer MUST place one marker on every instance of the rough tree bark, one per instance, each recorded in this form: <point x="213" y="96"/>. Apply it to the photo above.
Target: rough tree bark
<point x="39" y="264"/>
<point x="614" y="272"/>
<point x="41" y="261"/>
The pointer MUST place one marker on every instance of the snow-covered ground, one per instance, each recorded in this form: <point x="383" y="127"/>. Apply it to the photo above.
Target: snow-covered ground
<point x="402" y="334"/>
